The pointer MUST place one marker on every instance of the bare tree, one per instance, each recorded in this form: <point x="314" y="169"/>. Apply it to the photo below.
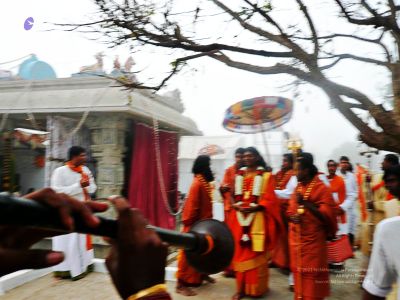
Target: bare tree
<point x="298" y="50"/>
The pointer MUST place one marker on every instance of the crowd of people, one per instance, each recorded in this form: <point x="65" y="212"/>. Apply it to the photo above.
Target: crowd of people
<point x="290" y="220"/>
<point x="286" y="220"/>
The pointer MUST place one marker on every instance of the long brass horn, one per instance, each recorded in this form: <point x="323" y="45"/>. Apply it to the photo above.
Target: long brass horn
<point x="208" y="246"/>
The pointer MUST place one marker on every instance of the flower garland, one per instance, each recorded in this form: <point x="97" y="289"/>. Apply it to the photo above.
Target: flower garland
<point x="242" y="191"/>
<point x="207" y="185"/>
<point x="306" y="194"/>
<point x="281" y="178"/>
<point x="247" y="192"/>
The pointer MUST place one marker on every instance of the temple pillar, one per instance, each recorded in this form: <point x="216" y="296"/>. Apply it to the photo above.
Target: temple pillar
<point x="107" y="146"/>
<point x="108" y="149"/>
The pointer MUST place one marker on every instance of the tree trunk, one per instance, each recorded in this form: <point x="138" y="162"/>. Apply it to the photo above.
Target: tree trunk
<point x="395" y="68"/>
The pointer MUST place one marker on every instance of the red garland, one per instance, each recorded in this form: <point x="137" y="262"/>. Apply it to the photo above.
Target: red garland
<point x="260" y="172"/>
<point x="241" y="172"/>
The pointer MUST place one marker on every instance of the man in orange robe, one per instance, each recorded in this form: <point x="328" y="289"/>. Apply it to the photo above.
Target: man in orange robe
<point x="283" y="191"/>
<point x="312" y="217"/>
<point x="338" y="189"/>
<point x="198" y="206"/>
<point x="226" y="189"/>
<point x="254" y="225"/>
<point x="228" y="182"/>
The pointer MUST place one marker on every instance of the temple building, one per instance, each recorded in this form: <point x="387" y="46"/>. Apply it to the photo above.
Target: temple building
<point x="131" y="136"/>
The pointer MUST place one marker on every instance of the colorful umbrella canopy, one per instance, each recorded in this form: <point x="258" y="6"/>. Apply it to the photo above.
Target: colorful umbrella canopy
<point x="211" y="150"/>
<point x="258" y="114"/>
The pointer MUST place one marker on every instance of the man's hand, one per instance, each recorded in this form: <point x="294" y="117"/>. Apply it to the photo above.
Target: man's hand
<point x="16" y="241"/>
<point x="138" y="256"/>
<point x="84" y="182"/>
<point x="236" y="207"/>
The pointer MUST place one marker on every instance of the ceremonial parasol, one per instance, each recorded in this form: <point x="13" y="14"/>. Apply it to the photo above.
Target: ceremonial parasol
<point x="258" y="114"/>
<point x="211" y="150"/>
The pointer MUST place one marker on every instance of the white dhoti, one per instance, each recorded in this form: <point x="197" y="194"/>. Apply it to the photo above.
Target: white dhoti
<point x="352" y="220"/>
<point x="77" y="257"/>
<point x="343" y="228"/>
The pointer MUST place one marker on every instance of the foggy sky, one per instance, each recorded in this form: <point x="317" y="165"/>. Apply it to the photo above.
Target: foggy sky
<point x="206" y="92"/>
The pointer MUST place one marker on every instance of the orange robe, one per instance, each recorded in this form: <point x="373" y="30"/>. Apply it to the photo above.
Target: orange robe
<point x="229" y="180"/>
<point x="307" y="241"/>
<point x="251" y="267"/>
<point x="339" y="186"/>
<point x="280" y="255"/>
<point x="198" y="207"/>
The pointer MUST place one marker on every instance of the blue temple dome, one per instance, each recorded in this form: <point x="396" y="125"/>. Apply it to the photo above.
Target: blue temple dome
<point x="34" y="69"/>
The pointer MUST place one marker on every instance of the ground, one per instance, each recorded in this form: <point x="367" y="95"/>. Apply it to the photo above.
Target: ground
<point x="98" y="286"/>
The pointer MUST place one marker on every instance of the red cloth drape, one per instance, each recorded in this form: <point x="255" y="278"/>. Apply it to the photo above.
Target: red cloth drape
<point x="144" y="187"/>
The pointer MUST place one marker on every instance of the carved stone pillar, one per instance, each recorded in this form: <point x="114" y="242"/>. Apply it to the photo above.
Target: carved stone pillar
<point x="107" y="145"/>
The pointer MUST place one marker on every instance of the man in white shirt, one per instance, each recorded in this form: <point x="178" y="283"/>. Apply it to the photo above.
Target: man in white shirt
<point x="75" y="180"/>
<point x="384" y="267"/>
<point x="349" y="205"/>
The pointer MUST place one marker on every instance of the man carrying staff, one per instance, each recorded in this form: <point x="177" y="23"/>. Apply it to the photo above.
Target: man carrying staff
<point x="255" y="225"/>
<point x="312" y="220"/>
<point x="227" y="192"/>
<point x="75" y="180"/>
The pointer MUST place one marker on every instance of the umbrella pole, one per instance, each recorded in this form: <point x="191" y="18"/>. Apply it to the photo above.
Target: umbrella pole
<point x="264" y="141"/>
<point x="266" y="148"/>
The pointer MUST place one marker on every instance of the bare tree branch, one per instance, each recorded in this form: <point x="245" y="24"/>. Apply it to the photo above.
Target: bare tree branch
<point x="358" y="58"/>
<point x="376" y="21"/>
<point x="279" y="68"/>
<point x="314" y="35"/>
<point x="377" y="41"/>
<point x="266" y="16"/>
<point x="177" y="64"/>
<point x="326" y="67"/>
<point x="156" y="23"/>
<point x="369" y="8"/>
<point x="283" y="40"/>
